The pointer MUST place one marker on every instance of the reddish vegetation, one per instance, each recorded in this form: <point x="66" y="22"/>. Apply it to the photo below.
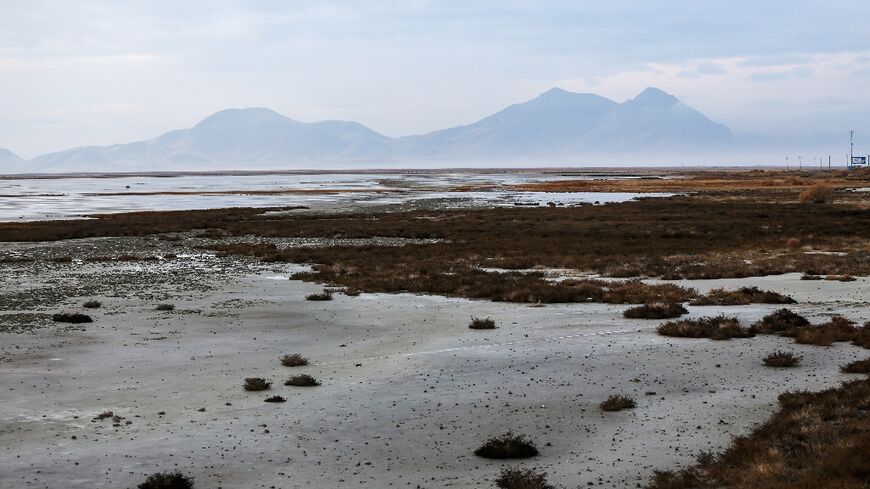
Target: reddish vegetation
<point x="817" y="194"/>
<point x="815" y="440"/>
<point x="741" y="296"/>
<point x="716" y="328"/>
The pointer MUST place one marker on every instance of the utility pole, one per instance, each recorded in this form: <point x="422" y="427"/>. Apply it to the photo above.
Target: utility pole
<point x="829" y="162"/>
<point x="800" y="163"/>
<point x="786" y="163"/>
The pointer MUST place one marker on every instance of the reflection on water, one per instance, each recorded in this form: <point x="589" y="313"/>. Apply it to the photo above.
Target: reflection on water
<point x="64" y="198"/>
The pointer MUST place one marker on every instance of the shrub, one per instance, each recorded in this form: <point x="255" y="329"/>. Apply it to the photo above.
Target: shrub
<point x="168" y="480"/>
<point x="741" y="296"/>
<point x="71" y="317"/>
<point x="256" y="384"/>
<point x="482" y="323"/>
<point x="793" y="244"/>
<point x="165" y="307"/>
<point x="92" y="304"/>
<point x="782" y="359"/>
<point x="817" y="194"/>
<point x="522" y="479"/>
<point x="302" y="380"/>
<point x="323" y="296"/>
<point x="716" y="328"/>
<point x="294" y="360"/>
<point x="275" y="399"/>
<point x="618" y="403"/>
<point x="507" y="446"/>
<point x="655" y="311"/>
<point x="840" y="278"/>
<point x="837" y="329"/>
<point x="779" y="321"/>
<point x="857" y="367"/>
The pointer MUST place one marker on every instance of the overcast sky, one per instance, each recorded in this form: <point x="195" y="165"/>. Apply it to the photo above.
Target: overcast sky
<point x="103" y="72"/>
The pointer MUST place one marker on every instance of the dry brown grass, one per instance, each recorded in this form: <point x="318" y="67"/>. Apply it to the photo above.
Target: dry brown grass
<point x="655" y="311"/>
<point x="741" y="296"/>
<point x="838" y="329"/>
<point x="322" y="296"/>
<point x="857" y="367"/>
<point x="618" y="403"/>
<point x="293" y="360"/>
<point x="256" y="384"/>
<point x="780" y="321"/>
<point x="782" y="359"/>
<point x="817" y="194"/>
<point x="716" y="328"/>
<point x="302" y="380"/>
<point x="71" y="317"/>
<point x="168" y="480"/>
<point x="815" y="440"/>
<point x="275" y="399"/>
<point x="482" y="323"/>
<point x="522" y="479"/>
<point x="507" y="446"/>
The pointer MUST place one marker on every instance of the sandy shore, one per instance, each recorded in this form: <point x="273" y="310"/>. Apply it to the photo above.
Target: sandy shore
<point x="408" y="390"/>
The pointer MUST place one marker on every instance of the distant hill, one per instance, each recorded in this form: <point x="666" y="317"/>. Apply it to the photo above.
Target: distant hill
<point x="557" y="125"/>
<point x="9" y="161"/>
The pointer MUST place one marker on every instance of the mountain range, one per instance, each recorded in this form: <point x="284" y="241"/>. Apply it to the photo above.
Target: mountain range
<point x="558" y="126"/>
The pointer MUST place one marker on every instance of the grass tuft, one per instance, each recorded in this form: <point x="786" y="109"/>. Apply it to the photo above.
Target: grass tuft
<point x="168" y="480"/>
<point x="522" y="479"/>
<point x="717" y="328"/>
<point x="817" y="194"/>
<point x="507" y="446"/>
<point x="302" y="380"/>
<point x="857" y="367"/>
<point x="782" y="359"/>
<point x="618" y="403"/>
<point x="256" y="384"/>
<point x="779" y="321"/>
<point x="71" y="317"/>
<point x="294" y="360"/>
<point x="482" y="323"/>
<point x="92" y="304"/>
<point x="740" y="297"/>
<point x="322" y="296"/>
<point x="165" y="307"/>
<point x="655" y="311"/>
<point x="275" y="399"/>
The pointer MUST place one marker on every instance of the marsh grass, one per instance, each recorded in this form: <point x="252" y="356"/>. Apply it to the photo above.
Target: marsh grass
<point x="71" y="317"/>
<point x="857" y="367"/>
<point x="741" y="296"/>
<point x="779" y="321"/>
<point x="168" y="480"/>
<point x="482" y="323"/>
<point x="294" y="360"/>
<point x="717" y="328"/>
<point x="522" y="479"/>
<point x="322" y="296"/>
<point x="256" y="384"/>
<point x="781" y="359"/>
<point x="618" y="403"/>
<point x="815" y="440"/>
<point x="302" y="380"/>
<point x="507" y="446"/>
<point x="655" y="311"/>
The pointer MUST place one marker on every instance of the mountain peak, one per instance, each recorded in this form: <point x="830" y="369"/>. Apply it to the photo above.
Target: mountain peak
<point x="652" y="96"/>
<point x="248" y="115"/>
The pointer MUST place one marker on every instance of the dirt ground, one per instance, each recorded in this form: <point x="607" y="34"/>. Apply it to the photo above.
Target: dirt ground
<point x="408" y="391"/>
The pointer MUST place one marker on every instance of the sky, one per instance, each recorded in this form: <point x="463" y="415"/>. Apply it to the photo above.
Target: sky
<point x="104" y="72"/>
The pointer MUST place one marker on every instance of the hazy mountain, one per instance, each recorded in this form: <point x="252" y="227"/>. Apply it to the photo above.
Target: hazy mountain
<point x="561" y="124"/>
<point x="234" y="138"/>
<point x="557" y="125"/>
<point x="9" y="160"/>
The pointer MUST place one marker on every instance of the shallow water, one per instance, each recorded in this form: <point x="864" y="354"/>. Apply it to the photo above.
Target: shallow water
<point x="65" y="198"/>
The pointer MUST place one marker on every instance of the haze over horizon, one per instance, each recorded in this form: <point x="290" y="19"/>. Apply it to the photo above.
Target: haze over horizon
<point x="101" y="73"/>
